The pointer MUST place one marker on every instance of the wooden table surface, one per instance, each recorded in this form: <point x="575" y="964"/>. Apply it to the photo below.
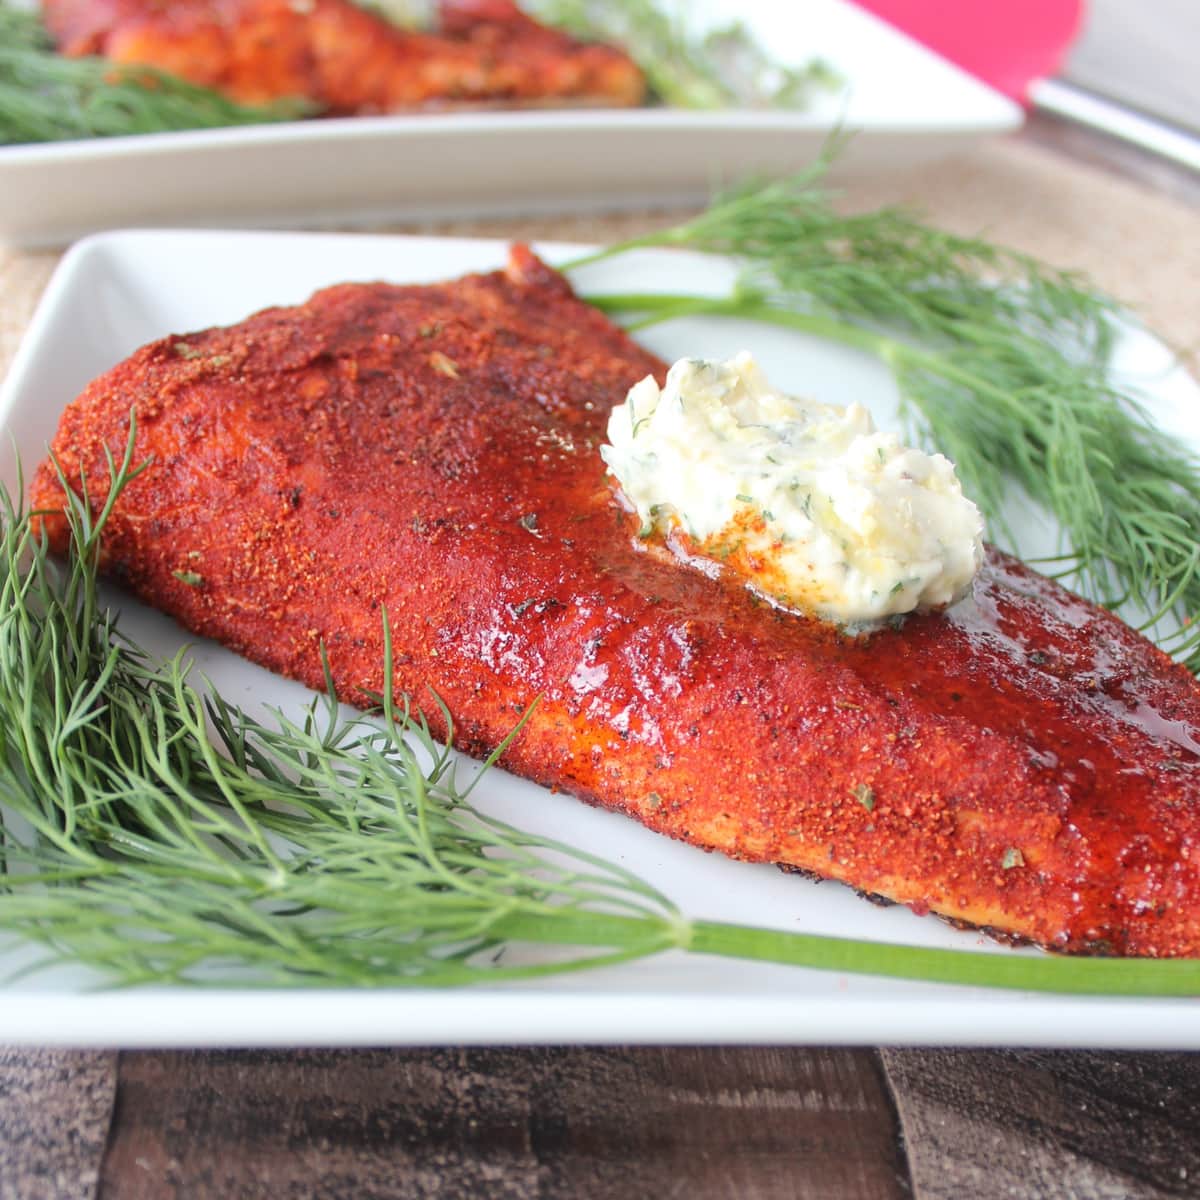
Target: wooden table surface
<point x="744" y="1123"/>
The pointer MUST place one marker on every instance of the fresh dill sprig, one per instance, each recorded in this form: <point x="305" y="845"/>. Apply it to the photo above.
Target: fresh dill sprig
<point x="155" y="833"/>
<point x="723" y="68"/>
<point x="1003" y="364"/>
<point x="46" y="97"/>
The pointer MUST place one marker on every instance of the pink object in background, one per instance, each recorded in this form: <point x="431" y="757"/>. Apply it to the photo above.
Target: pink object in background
<point x="1006" y="43"/>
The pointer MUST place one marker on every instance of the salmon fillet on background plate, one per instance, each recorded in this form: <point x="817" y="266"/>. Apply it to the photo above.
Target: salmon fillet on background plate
<point x="346" y="59"/>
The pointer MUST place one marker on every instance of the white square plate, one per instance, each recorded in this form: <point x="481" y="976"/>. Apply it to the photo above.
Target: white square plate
<point x="904" y="104"/>
<point x="117" y="291"/>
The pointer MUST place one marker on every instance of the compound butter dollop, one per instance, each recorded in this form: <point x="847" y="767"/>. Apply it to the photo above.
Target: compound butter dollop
<point x="813" y="507"/>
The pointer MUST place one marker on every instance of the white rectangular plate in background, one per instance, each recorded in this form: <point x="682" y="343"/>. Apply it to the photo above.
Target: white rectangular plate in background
<point x="904" y="105"/>
<point x="117" y="291"/>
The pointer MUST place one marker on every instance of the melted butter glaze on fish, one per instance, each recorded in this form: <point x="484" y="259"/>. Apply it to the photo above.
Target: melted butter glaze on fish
<point x="1022" y="762"/>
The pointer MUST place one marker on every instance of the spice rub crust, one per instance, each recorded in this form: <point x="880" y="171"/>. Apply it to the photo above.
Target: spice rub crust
<point x="1023" y="762"/>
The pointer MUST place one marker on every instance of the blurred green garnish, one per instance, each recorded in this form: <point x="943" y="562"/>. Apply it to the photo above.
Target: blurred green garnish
<point x="725" y="67"/>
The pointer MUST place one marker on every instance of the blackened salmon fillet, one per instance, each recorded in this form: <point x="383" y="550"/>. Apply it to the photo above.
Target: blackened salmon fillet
<point x="1022" y="762"/>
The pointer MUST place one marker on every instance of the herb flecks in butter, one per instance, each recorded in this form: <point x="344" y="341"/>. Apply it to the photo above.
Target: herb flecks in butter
<point x="812" y="506"/>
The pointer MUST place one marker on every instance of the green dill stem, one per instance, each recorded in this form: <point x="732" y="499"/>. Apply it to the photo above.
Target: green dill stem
<point x="648" y="241"/>
<point x="659" y="307"/>
<point x="1061" y="975"/>
<point x="649" y="935"/>
<point x="1076" y="976"/>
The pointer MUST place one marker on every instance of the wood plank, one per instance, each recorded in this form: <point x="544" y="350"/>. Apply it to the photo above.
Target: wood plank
<point x="1052" y="1124"/>
<point x="55" y="1107"/>
<point x="578" y="1122"/>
